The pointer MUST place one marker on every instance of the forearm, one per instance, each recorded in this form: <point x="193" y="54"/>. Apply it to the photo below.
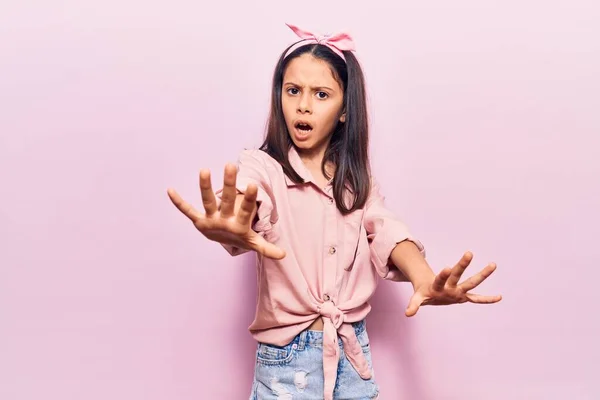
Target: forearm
<point x="409" y="260"/>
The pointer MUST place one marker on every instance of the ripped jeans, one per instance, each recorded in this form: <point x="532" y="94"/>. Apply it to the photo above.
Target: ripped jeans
<point x="295" y="371"/>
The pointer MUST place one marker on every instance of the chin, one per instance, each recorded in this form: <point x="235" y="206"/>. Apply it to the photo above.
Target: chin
<point x="304" y="147"/>
<point x="302" y="144"/>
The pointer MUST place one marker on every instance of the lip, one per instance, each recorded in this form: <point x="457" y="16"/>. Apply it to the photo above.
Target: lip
<point x="299" y="133"/>
<point x="304" y="122"/>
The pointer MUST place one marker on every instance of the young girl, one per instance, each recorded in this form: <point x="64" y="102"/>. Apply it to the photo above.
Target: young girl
<point x="307" y="204"/>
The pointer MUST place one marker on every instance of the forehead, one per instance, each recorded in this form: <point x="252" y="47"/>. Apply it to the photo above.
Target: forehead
<point x="311" y="71"/>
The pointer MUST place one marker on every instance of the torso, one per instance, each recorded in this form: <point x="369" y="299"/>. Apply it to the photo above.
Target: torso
<point x="327" y="252"/>
<point x="321" y="181"/>
<point x="317" y="325"/>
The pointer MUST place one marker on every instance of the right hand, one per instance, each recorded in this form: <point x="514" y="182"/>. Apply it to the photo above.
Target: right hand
<point x="224" y="223"/>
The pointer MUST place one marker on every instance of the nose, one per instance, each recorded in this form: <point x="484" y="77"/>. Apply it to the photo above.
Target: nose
<point x="304" y="106"/>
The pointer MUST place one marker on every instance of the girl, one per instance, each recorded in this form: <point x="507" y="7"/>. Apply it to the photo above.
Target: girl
<point x="307" y="204"/>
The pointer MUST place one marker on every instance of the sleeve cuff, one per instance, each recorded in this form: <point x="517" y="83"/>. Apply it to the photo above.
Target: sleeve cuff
<point x="381" y="249"/>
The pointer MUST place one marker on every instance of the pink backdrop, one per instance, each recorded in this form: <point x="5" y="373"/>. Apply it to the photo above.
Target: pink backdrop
<point x="486" y="137"/>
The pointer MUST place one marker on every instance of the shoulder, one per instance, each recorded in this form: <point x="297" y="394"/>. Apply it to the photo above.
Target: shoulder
<point x="259" y="156"/>
<point x="374" y="191"/>
<point x="255" y="154"/>
<point x="259" y="159"/>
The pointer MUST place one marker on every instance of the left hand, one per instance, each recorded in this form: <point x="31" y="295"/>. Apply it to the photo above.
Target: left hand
<point x="445" y="289"/>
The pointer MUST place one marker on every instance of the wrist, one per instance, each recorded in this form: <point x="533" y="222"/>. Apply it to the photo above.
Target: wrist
<point x="423" y="280"/>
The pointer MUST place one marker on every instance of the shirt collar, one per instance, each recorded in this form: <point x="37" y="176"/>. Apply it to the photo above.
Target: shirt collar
<point x="298" y="165"/>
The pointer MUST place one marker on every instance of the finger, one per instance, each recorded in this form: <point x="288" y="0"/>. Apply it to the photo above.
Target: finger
<point x="476" y="279"/>
<point x="479" y="299"/>
<point x="268" y="249"/>
<point x="413" y="305"/>
<point x="186" y="208"/>
<point x="229" y="191"/>
<point x="459" y="269"/>
<point x="208" y="196"/>
<point x="440" y="280"/>
<point x="248" y="205"/>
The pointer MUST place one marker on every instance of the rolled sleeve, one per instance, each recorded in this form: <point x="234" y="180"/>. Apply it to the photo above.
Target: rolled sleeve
<point x="385" y="231"/>
<point x="252" y="169"/>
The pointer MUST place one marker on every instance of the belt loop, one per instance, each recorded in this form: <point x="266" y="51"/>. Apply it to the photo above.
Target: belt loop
<point x="302" y="339"/>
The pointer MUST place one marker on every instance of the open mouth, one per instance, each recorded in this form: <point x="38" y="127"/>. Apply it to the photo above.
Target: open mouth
<point x="304" y="127"/>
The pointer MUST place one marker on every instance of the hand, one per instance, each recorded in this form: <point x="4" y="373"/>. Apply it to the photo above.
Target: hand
<point x="445" y="288"/>
<point x="222" y="223"/>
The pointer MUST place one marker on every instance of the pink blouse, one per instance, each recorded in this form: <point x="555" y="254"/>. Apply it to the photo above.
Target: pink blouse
<point x="332" y="261"/>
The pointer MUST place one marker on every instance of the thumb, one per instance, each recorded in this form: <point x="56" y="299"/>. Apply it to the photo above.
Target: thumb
<point x="272" y="251"/>
<point x="268" y="249"/>
<point x="414" y="304"/>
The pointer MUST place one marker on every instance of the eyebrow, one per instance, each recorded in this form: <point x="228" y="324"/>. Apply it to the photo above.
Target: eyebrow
<point x="312" y="87"/>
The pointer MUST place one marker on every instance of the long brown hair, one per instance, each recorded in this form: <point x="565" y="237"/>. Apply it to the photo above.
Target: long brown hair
<point x="349" y="146"/>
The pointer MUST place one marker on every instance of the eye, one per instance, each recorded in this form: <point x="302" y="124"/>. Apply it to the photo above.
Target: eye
<point x="293" y="91"/>
<point x="322" y="95"/>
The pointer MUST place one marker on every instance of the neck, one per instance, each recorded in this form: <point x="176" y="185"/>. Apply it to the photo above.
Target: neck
<point x="313" y="156"/>
<point x="313" y="161"/>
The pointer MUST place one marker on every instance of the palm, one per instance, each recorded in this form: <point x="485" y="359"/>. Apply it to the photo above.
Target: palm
<point x="221" y="223"/>
<point x="446" y="289"/>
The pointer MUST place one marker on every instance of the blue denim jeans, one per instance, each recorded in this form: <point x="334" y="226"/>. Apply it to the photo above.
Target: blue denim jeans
<point x="295" y="371"/>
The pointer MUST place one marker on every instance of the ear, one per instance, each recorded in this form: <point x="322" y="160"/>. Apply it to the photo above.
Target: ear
<point x="343" y="117"/>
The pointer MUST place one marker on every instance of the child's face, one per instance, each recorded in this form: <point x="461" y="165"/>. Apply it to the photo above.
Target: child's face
<point x="312" y="101"/>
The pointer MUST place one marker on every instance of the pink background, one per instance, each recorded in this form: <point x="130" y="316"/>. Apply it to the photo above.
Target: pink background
<point x="486" y="137"/>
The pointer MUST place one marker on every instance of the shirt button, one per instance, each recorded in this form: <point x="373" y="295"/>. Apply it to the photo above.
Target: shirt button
<point x="330" y="201"/>
<point x="326" y="297"/>
<point x="332" y="250"/>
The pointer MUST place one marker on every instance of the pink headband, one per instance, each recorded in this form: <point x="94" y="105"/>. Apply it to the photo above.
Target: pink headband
<point x="337" y="43"/>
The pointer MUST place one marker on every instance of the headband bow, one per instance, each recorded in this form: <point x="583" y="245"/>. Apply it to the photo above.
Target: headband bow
<point x="337" y="43"/>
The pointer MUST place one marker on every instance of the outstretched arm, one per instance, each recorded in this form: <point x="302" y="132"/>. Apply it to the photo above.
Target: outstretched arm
<point x="443" y="288"/>
<point x="230" y="222"/>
